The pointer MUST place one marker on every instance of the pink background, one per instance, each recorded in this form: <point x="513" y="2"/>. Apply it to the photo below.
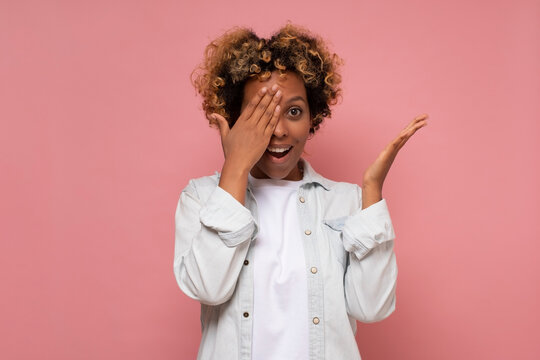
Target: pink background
<point x="101" y="129"/>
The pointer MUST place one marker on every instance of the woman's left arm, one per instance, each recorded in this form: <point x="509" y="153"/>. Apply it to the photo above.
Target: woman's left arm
<point x="368" y="236"/>
<point x="376" y="173"/>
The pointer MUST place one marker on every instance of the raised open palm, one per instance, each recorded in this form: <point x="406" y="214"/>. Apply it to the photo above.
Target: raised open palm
<point x="375" y="174"/>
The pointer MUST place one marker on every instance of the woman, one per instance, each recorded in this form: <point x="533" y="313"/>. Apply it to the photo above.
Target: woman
<point x="282" y="260"/>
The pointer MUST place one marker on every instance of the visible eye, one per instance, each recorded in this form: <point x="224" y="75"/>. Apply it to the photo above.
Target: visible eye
<point x="296" y="111"/>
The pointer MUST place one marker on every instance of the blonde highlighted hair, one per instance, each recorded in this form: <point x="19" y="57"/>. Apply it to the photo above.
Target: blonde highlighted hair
<point x="240" y="55"/>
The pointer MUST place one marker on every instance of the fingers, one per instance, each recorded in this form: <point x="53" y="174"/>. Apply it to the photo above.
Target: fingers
<point x="222" y="124"/>
<point x="265" y="109"/>
<point x="269" y="112"/>
<point x="269" y="130"/>
<point x="420" y="117"/>
<point x="417" y="123"/>
<point x="253" y="104"/>
<point x="261" y="107"/>
<point x="405" y="134"/>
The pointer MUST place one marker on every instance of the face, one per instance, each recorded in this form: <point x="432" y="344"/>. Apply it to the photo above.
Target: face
<point x="292" y="129"/>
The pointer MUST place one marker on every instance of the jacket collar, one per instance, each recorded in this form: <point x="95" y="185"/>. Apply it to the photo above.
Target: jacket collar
<point x="310" y="176"/>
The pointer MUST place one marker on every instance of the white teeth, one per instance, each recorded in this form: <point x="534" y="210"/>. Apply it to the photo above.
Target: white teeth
<point x="278" y="150"/>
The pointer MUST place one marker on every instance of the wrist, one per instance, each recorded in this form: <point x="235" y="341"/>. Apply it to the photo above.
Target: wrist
<point x="234" y="180"/>
<point x="372" y="186"/>
<point x="371" y="194"/>
<point x="233" y="175"/>
<point x="237" y="168"/>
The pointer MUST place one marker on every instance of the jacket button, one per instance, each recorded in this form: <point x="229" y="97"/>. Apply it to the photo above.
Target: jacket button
<point x="246" y="314"/>
<point x="302" y="200"/>
<point x="315" y="320"/>
<point x="307" y="232"/>
<point x="314" y="270"/>
<point x="246" y="262"/>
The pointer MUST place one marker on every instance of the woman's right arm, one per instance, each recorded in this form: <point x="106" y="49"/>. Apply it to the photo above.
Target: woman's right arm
<point x="211" y="242"/>
<point x="246" y="142"/>
<point x="212" y="237"/>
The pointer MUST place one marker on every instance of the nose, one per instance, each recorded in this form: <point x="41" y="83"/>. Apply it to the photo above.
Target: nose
<point x="281" y="128"/>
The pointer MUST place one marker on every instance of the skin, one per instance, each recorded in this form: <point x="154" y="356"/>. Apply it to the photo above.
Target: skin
<point x="375" y="174"/>
<point x="292" y="127"/>
<point x="269" y="117"/>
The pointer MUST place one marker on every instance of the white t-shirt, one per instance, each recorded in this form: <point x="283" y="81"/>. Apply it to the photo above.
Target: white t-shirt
<point x="280" y="310"/>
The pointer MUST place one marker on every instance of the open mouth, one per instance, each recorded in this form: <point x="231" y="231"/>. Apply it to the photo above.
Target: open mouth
<point x="278" y="153"/>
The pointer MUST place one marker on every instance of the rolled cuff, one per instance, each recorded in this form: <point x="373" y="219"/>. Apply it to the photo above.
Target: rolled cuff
<point x="368" y="228"/>
<point x="228" y="217"/>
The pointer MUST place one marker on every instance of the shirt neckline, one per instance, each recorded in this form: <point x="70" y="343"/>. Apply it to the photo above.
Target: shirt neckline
<point x="274" y="182"/>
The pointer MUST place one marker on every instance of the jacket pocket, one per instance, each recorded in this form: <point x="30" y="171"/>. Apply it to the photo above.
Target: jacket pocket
<point x="333" y="230"/>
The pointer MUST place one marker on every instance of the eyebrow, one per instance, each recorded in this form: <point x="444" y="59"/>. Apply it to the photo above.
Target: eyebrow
<point x="296" y="98"/>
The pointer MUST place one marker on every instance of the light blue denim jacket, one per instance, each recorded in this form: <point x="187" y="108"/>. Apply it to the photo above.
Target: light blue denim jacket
<point x="350" y="264"/>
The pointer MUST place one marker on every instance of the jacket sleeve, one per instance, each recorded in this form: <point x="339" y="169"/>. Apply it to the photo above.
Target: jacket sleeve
<point x="211" y="243"/>
<point x="371" y="274"/>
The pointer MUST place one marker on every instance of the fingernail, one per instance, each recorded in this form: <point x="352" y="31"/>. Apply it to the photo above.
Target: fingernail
<point x="263" y="90"/>
<point x="278" y="94"/>
<point x="274" y="88"/>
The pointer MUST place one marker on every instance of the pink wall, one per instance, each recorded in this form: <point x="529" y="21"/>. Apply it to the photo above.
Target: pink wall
<point x="101" y="129"/>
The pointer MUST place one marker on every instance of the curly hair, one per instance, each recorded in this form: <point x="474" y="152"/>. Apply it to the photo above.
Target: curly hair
<point x="240" y="55"/>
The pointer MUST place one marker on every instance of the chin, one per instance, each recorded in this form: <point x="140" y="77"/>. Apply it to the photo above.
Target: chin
<point x="268" y="167"/>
